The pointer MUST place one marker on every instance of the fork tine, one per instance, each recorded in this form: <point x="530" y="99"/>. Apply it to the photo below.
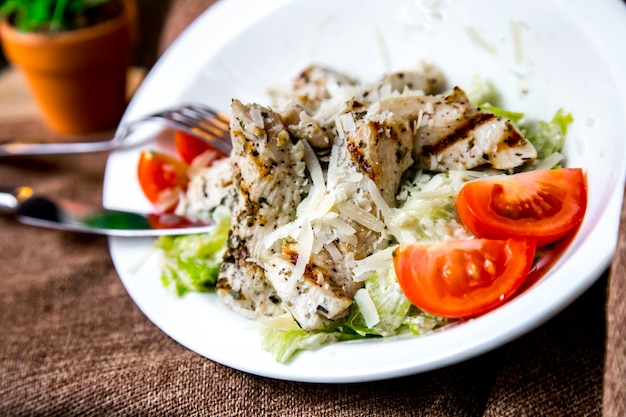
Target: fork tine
<point x="206" y="115"/>
<point x="215" y="140"/>
<point x="215" y="120"/>
<point x="198" y="120"/>
<point x="214" y="114"/>
<point x="217" y="127"/>
<point x="216" y="130"/>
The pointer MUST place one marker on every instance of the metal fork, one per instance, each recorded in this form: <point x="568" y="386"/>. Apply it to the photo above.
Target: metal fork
<point x="196" y="119"/>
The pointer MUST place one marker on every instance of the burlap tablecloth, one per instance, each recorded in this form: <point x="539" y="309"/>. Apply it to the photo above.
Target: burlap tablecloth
<point x="72" y="342"/>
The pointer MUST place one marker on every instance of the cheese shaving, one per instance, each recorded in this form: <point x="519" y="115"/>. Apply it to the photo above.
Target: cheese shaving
<point x="367" y="307"/>
<point x="361" y="216"/>
<point x="305" y="247"/>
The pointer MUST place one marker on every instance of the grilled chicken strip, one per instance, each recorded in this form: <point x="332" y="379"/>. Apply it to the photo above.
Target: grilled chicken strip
<point x="301" y="125"/>
<point x="308" y="91"/>
<point x="269" y="175"/>
<point x="268" y="179"/>
<point x="427" y="79"/>
<point x="311" y="87"/>
<point x="451" y="133"/>
<point x="380" y="145"/>
<point x="342" y="223"/>
<point x="316" y="83"/>
<point x="377" y="148"/>
<point x="313" y="93"/>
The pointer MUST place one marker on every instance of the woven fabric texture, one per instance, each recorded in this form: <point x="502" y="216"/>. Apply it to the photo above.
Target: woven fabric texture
<point x="73" y="343"/>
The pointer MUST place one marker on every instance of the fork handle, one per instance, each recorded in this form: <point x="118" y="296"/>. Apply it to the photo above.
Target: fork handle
<point x="22" y="147"/>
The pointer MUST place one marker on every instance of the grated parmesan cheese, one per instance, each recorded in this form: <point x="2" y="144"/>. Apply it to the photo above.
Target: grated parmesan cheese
<point x="343" y="220"/>
<point x="305" y="248"/>
<point x="367" y="307"/>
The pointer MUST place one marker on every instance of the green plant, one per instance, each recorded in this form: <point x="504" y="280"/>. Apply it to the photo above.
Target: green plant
<point x="57" y="15"/>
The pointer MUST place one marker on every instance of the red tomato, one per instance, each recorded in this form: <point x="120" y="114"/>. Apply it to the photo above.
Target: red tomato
<point x="167" y="221"/>
<point x="543" y="205"/>
<point x="189" y="147"/>
<point x="162" y="178"/>
<point x="462" y="278"/>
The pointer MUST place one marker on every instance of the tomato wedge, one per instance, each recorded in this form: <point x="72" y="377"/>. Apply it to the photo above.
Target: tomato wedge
<point x="190" y="147"/>
<point x="167" y="221"/>
<point x="462" y="278"/>
<point x="543" y="205"/>
<point x="161" y="177"/>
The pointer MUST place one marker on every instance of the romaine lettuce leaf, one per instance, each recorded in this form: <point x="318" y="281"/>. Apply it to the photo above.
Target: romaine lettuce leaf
<point x="397" y="316"/>
<point x="192" y="262"/>
<point x="391" y="303"/>
<point x="420" y="322"/>
<point x="283" y="344"/>
<point x="548" y="137"/>
<point x="507" y="114"/>
<point x="482" y="90"/>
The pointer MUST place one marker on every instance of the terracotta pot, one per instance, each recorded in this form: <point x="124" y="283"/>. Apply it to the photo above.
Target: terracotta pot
<point x="78" y="78"/>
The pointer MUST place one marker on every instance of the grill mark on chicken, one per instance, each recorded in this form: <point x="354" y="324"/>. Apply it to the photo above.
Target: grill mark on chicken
<point x="451" y="133"/>
<point x="356" y="150"/>
<point x="513" y="138"/>
<point x="314" y="275"/>
<point x="268" y="174"/>
<point x="382" y="150"/>
<point x="459" y="133"/>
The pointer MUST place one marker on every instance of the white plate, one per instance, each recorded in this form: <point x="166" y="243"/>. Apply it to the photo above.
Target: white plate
<point x="567" y="54"/>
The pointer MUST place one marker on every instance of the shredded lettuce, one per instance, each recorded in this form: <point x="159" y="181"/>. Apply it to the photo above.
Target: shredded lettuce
<point x="283" y="339"/>
<point x="482" y="91"/>
<point x="391" y="303"/>
<point x="548" y="137"/>
<point x="513" y="116"/>
<point x="283" y="344"/>
<point x="484" y="94"/>
<point x="420" y="323"/>
<point x="192" y="262"/>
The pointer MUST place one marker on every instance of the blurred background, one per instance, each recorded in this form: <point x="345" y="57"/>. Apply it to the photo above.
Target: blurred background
<point x="155" y="33"/>
<point x="159" y="23"/>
